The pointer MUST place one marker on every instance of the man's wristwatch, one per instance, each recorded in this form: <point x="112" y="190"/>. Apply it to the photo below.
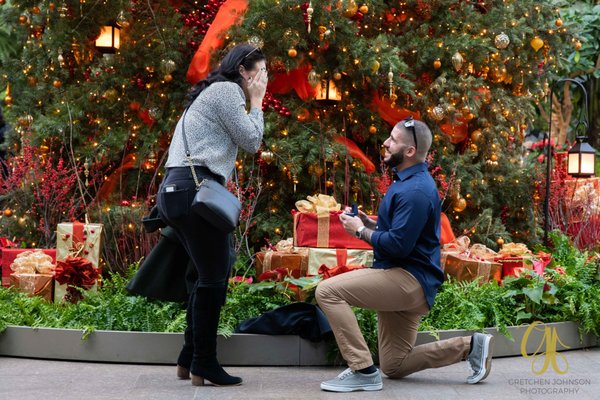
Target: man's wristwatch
<point x="359" y="231"/>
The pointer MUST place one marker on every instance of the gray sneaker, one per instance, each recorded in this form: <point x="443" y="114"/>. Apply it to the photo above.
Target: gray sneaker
<point x="351" y="381"/>
<point x="480" y="357"/>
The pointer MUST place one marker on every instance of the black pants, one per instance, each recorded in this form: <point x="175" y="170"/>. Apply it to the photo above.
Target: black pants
<point x="209" y="249"/>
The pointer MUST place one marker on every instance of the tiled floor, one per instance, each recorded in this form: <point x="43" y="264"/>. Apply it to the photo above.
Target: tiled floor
<point x="511" y="378"/>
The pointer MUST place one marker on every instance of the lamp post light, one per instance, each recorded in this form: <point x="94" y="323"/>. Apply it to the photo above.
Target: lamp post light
<point x="581" y="156"/>
<point x="582" y="159"/>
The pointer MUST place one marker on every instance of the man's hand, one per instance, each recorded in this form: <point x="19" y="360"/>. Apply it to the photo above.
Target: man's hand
<point x="351" y="224"/>
<point x="368" y="222"/>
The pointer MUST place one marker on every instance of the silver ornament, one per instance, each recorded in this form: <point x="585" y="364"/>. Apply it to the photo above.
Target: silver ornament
<point x="502" y="40"/>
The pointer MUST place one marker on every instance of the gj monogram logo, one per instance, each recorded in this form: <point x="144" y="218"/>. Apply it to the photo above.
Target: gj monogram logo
<point x="550" y="339"/>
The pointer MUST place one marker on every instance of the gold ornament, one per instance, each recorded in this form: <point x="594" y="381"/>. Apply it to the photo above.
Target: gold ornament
<point x="437" y="64"/>
<point x="309" y="13"/>
<point x="23" y="19"/>
<point x="502" y="40"/>
<point x="168" y="78"/>
<point x="457" y="61"/>
<point x="313" y="78"/>
<point x="267" y="156"/>
<point x="25" y="121"/>
<point x="122" y="21"/>
<point x="57" y="83"/>
<point x="375" y="66"/>
<point x="8" y="100"/>
<point x="558" y="22"/>
<point x="167" y="66"/>
<point x="459" y="204"/>
<point x="292" y="52"/>
<point x="337" y="76"/>
<point x="494" y="157"/>
<point x="364" y="9"/>
<point x="8" y="212"/>
<point x="372" y="129"/>
<point x="500" y="241"/>
<point x="391" y="83"/>
<point x="257" y="42"/>
<point x="110" y="94"/>
<point x="577" y="45"/>
<point x="438" y="113"/>
<point x="351" y="9"/>
<point x="536" y="43"/>
<point x="476" y="135"/>
<point x="474" y="148"/>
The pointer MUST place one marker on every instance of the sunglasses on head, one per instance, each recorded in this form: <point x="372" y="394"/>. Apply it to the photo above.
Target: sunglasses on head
<point x="409" y="123"/>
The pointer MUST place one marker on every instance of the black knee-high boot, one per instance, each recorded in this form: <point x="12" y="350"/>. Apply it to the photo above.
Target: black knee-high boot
<point x="206" y="311"/>
<point x="184" y="361"/>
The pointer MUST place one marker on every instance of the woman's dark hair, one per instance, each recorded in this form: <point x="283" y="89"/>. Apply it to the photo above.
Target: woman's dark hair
<point x="229" y="70"/>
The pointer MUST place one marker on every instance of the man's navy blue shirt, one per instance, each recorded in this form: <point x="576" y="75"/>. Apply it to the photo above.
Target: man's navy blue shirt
<point x="408" y="229"/>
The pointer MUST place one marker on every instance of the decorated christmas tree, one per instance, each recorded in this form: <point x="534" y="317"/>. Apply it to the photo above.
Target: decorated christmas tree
<point x="472" y="70"/>
<point x="342" y="73"/>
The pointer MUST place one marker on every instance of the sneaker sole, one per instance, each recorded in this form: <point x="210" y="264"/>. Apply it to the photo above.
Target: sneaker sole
<point x="345" y="389"/>
<point x="488" y="348"/>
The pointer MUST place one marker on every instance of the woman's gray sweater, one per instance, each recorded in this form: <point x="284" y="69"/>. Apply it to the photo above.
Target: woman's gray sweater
<point x="215" y="125"/>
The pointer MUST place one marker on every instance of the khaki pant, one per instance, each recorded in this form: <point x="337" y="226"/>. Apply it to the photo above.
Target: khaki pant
<point x="398" y="298"/>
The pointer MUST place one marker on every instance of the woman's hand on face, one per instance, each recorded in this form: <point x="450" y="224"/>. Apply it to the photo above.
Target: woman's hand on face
<point x="257" y="86"/>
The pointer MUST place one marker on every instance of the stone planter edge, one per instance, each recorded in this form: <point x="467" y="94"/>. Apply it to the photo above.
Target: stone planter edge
<point x="241" y="349"/>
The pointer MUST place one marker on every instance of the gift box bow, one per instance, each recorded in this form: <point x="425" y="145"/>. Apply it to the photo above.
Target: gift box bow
<point x="514" y="250"/>
<point x="32" y="262"/>
<point x="320" y="204"/>
<point x="461" y="247"/>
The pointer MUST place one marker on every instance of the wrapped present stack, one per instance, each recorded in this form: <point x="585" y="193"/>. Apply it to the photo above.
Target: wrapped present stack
<point x="319" y="232"/>
<point x="33" y="273"/>
<point x="319" y="241"/>
<point x="466" y="262"/>
<point x="78" y="259"/>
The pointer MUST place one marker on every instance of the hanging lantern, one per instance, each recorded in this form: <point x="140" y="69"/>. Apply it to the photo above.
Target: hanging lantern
<point x="582" y="159"/>
<point x="109" y="40"/>
<point x="327" y="91"/>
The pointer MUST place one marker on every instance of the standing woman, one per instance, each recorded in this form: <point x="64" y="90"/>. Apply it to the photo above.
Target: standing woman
<point x="216" y="124"/>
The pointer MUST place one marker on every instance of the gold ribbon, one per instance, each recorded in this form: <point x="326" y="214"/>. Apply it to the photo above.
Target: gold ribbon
<point x="323" y="229"/>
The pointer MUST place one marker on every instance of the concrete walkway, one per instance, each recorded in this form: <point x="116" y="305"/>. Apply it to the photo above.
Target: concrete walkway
<point x="511" y="378"/>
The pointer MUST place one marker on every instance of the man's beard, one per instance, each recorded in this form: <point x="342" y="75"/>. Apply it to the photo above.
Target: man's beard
<point x="395" y="159"/>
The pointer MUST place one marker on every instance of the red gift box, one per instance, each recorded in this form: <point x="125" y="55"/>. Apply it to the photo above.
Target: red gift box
<point x="324" y="231"/>
<point x="512" y="266"/>
<point x="8" y="257"/>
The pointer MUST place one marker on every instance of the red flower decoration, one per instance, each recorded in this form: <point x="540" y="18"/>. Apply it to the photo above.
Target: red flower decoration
<point x="75" y="272"/>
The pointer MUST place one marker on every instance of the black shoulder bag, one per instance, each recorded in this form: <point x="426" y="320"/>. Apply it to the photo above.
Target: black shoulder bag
<point x="213" y="202"/>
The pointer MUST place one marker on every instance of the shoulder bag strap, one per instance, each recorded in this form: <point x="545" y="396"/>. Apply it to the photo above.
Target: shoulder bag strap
<point x="189" y="157"/>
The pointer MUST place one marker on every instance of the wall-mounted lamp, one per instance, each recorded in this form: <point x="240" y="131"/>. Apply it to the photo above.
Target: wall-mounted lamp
<point x="327" y="91"/>
<point x="109" y="40"/>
